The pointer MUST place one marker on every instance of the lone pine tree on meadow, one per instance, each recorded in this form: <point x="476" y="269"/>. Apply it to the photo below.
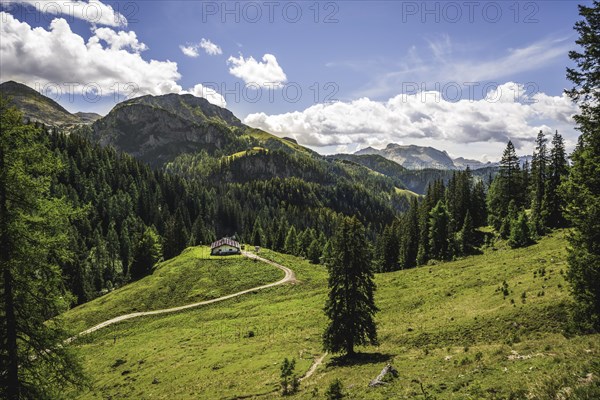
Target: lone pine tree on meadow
<point x="350" y="306"/>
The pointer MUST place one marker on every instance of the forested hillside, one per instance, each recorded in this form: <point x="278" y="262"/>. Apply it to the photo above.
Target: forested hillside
<point x="262" y="189"/>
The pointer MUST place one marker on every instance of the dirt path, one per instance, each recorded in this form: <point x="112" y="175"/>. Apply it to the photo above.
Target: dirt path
<point x="314" y="367"/>
<point x="289" y="277"/>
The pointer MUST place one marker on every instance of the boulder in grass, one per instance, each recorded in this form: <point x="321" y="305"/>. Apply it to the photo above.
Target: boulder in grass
<point x="386" y="374"/>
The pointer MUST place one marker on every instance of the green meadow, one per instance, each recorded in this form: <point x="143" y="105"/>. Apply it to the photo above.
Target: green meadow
<point x="491" y="326"/>
<point x="191" y="277"/>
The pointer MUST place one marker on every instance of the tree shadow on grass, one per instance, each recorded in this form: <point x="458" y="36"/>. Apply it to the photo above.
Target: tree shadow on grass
<point x="359" y="359"/>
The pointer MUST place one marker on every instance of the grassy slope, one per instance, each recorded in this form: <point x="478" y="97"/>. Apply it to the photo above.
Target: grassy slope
<point x="408" y="193"/>
<point x="192" y="277"/>
<point x="433" y="323"/>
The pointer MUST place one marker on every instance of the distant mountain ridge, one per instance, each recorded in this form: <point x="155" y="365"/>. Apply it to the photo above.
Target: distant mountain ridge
<point x="39" y="108"/>
<point x="413" y="157"/>
<point x="463" y="163"/>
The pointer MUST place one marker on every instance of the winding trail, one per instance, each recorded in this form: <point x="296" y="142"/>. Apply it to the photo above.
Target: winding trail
<point x="289" y="277"/>
<point x="313" y="367"/>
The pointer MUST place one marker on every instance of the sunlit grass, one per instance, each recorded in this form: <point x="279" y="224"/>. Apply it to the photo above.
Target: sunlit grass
<point x="449" y="326"/>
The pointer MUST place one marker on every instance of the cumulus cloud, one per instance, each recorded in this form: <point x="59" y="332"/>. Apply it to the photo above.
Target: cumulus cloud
<point x="190" y="50"/>
<point x="58" y="55"/>
<point x="210" y="48"/>
<point x="264" y="74"/>
<point x="92" y="11"/>
<point x="425" y="116"/>
<point x="109" y="62"/>
<point x="117" y="40"/>
<point x="209" y="94"/>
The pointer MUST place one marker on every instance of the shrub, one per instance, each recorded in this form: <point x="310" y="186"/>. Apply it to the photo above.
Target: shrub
<point x="335" y="390"/>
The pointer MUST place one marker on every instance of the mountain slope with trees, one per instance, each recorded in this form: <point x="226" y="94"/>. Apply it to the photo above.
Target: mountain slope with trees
<point x="37" y="107"/>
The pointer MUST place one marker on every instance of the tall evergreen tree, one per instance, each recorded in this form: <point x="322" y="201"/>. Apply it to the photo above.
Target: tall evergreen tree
<point x="526" y="182"/>
<point x="34" y="230"/>
<point x="314" y="251"/>
<point x="350" y="306"/>
<point x="257" y="234"/>
<point x="176" y="235"/>
<point x="583" y="186"/>
<point x="539" y="166"/>
<point x="506" y="187"/>
<point x="409" y="240"/>
<point x="388" y="247"/>
<point x="198" y="232"/>
<point x="558" y="171"/>
<point x="291" y="242"/>
<point x="520" y="235"/>
<point x="478" y="205"/>
<point x="435" y="194"/>
<point x="439" y="242"/>
<point x="146" y="253"/>
<point x="466" y="235"/>
<point x="282" y="231"/>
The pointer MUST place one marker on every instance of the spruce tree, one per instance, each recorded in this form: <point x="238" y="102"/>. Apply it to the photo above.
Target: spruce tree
<point x="34" y="237"/>
<point x="582" y="189"/>
<point x="539" y="167"/>
<point x="467" y="235"/>
<point x="558" y="171"/>
<point x="478" y="205"/>
<point x="506" y="187"/>
<point x="314" y="251"/>
<point x="197" y="234"/>
<point x="439" y="242"/>
<point x="289" y="381"/>
<point x="409" y="240"/>
<point x="291" y="242"/>
<point x="147" y="252"/>
<point x="350" y="306"/>
<point x="257" y="234"/>
<point x="520" y="235"/>
<point x="388" y="247"/>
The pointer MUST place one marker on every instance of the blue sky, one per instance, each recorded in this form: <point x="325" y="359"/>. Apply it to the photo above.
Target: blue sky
<point x="330" y="74"/>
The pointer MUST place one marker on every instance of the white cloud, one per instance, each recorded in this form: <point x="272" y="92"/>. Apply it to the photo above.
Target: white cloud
<point x="209" y="94"/>
<point x="92" y="11"/>
<point x="117" y="40"/>
<point x="210" y="48"/>
<point x="265" y="74"/>
<point x="426" y="118"/>
<point x="191" y="50"/>
<point x="108" y="62"/>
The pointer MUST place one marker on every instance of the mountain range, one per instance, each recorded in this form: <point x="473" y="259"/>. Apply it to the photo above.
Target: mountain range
<point x="172" y="130"/>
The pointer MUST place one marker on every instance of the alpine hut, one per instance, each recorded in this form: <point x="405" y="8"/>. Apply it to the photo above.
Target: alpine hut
<point x="225" y="247"/>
